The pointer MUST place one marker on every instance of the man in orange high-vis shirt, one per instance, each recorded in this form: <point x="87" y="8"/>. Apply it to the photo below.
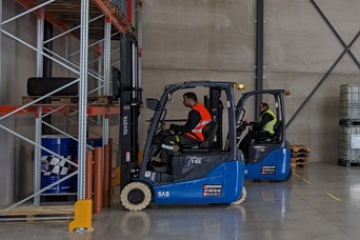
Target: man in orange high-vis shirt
<point x="189" y="133"/>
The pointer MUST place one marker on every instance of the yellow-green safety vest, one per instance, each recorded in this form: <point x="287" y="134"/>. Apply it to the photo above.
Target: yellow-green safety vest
<point x="269" y="127"/>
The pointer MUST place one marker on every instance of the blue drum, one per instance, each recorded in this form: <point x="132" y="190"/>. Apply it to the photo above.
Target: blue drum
<point x="95" y="142"/>
<point x="52" y="167"/>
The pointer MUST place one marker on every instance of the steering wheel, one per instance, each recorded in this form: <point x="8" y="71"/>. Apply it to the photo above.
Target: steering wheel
<point x="240" y="127"/>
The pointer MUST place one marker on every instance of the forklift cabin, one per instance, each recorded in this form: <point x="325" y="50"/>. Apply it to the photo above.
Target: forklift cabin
<point x="211" y="171"/>
<point x="269" y="157"/>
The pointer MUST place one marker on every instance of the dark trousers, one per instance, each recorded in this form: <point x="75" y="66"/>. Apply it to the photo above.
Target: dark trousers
<point x="245" y="143"/>
<point x="168" y="145"/>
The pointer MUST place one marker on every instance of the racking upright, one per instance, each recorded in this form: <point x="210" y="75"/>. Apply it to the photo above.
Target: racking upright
<point x="96" y="19"/>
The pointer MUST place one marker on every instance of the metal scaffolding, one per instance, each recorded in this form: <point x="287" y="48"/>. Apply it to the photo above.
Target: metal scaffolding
<point x="98" y="23"/>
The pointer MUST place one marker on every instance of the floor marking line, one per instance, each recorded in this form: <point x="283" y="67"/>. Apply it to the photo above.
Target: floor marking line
<point x="308" y="182"/>
<point x="332" y="196"/>
<point x="296" y="174"/>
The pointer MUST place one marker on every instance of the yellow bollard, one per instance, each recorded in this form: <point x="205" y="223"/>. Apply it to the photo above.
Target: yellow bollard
<point x="83" y="215"/>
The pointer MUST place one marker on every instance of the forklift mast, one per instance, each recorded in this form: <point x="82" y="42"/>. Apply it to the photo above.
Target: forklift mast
<point x="129" y="102"/>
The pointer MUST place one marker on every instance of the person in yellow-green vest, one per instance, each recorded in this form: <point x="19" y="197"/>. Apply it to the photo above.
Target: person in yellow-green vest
<point x="263" y="127"/>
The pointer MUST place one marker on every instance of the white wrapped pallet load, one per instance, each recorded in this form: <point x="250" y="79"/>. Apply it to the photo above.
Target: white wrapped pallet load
<point x="349" y="144"/>
<point x="349" y="102"/>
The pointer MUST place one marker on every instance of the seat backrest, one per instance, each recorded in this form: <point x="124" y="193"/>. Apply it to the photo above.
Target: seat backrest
<point x="209" y="132"/>
<point x="276" y="137"/>
<point x="277" y="125"/>
<point x="278" y="130"/>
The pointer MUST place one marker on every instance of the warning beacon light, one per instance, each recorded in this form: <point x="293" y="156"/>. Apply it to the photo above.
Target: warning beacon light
<point x="239" y="86"/>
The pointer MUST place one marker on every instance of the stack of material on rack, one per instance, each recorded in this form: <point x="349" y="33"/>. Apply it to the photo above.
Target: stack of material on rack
<point x="349" y="125"/>
<point x="120" y="16"/>
<point x="299" y="155"/>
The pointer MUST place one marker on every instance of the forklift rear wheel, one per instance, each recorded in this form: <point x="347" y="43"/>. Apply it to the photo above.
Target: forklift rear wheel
<point x="135" y="196"/>
<point x="241" y="199"/>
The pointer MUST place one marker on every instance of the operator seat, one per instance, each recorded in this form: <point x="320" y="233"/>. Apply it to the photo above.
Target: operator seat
<point x="276" y="137"/>
<point x="209" y="132"/>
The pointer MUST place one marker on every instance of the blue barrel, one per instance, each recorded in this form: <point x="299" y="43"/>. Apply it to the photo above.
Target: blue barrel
<point x="54" y="168"/>
<point x="63" y="187"/>
<point x="94" y="142"/>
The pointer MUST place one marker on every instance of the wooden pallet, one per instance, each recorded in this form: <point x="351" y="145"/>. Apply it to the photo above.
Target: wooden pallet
<point x="299" y="148"/>
<point x="298" y="164"/>
<point x="300" y="154"/>
<point x="299" y="161"/>
<point x="65" y="100"/>
<point x="28" y="212"/>
<point x="116" y="11"/>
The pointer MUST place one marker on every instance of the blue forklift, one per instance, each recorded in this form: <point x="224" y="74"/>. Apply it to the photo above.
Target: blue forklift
<point x="209" y="172"/>
<point x="269" y="157"/>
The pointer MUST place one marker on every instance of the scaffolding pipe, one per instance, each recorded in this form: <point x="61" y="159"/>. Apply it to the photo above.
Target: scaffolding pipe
<point x="38" y="99"/>
<point x="35" y="219"/>
<point x="38" y="193"/>
<point x="97" y="179"/>
<point x="70" y="30"/>
<point x="39" y="43"/>
<point x="75" y="64"/>
<point x="89" y="174"/>
<point x="47" y="31"/>
<point x="37" y="156"/>
<point x="28" y="11"/>
<point x="84" y="44"/>
<point x="107" y="56"/>
<point x="35" y="144"/>
<point x="33" y="48"/>
<point x="107" y="176"/>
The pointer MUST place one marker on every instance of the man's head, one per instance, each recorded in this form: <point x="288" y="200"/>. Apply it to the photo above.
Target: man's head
<point x="264" y="106"/>
<point x="190" y="99"/>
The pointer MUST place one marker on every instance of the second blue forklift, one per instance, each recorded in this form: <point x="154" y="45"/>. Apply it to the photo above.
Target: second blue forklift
<point x="269" y="158"/>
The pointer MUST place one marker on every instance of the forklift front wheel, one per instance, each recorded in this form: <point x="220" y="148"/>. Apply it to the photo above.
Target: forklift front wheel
<point x="135" y="196"/>
<point x="242" y="198"/>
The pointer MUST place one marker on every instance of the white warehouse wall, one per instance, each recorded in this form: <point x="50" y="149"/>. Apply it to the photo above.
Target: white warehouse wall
<point x="212" y="39"/>
<point x="17" y="65"/>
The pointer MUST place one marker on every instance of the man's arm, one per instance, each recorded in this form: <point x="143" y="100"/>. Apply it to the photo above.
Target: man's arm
<point x="264" y="120"/>
<point x="193" y="119"/>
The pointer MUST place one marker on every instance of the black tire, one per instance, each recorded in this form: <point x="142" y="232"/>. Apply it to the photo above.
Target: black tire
<point x="135" y="196"/>
<point x="41" y="86"/>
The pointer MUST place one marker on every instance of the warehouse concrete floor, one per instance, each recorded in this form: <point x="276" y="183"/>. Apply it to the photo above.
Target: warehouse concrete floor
<point x="321" y="201"/>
